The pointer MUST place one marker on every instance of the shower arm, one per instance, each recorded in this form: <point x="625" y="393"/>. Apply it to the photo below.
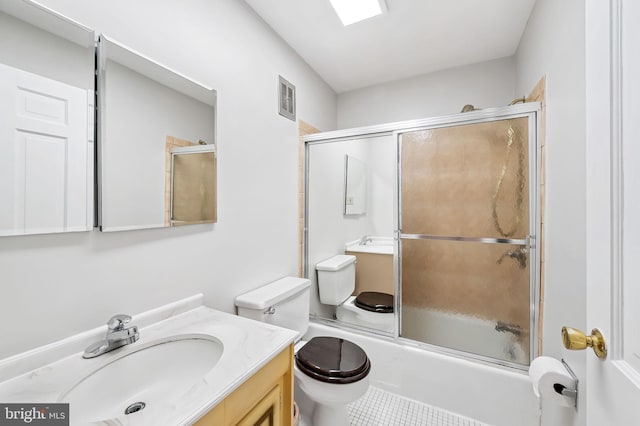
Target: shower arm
<point x="470" y="107"/>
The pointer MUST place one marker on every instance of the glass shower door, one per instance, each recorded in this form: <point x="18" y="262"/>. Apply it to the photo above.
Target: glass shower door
<point x="466" y="214"/>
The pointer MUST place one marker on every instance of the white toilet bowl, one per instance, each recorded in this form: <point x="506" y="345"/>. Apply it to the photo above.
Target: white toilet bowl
<point x="330" y="399"/>
<point x="352" y="314"/>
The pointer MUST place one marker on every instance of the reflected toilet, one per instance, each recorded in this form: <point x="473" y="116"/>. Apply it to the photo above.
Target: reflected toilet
<point x="336" y="283"/>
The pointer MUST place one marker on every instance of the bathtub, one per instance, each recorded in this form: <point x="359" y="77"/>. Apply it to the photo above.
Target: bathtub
<point x="465" y="333"/>
<point x="491" y="394"/>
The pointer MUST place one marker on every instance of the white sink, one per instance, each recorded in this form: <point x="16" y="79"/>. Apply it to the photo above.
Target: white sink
<point x="154" y="375"/>
<point x="375" y="245"/>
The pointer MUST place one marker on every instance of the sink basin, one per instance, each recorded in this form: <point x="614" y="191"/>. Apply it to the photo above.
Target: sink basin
<point x="375" y="245"/>
<point x="152" y="375"/>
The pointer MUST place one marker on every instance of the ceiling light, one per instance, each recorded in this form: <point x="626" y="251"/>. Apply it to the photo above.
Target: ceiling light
<point x="351" y="11"/>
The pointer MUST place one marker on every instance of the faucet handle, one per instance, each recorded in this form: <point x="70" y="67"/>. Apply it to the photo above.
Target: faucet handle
<point x="117" y="322"/>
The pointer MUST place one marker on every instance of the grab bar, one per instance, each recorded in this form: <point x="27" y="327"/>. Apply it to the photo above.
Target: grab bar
<point x="522" y="242"/>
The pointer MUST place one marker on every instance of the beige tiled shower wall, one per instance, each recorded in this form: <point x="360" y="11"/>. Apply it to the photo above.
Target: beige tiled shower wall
<point x="467" y="181"/>
<point x="374" y="272"/>
<point x="304" y="129"/>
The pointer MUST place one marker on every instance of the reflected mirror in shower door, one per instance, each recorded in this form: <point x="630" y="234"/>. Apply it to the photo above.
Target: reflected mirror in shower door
<point x="466" y="216"/>
<point x="355" y="186"/>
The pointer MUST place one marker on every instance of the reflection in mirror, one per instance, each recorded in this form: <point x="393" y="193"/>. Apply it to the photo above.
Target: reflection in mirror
<point x="147" y="113"/>
<point x="46" y="121"/>
<point x="193" y="189"/>
<point x="368" y="238"/>
<point x="355" y="186"/>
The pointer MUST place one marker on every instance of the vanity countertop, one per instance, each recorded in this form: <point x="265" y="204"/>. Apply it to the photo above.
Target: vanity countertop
<point x="248" y="346"/>
<point x="374" y="245"/>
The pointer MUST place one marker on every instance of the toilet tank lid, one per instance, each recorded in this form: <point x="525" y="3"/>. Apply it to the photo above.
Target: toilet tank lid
<point x="335" y="263"/>
<point x="272" y="293"/>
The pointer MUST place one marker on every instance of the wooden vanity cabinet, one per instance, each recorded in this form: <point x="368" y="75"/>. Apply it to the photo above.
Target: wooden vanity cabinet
<point x="265" y="399"/>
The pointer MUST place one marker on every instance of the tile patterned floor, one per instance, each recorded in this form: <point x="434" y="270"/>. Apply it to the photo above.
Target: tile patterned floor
<point x="381" y="408"/>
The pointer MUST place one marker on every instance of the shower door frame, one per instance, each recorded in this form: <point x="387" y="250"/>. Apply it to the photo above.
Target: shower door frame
<point x="531" y="110"/>
<point x="531" y="241"/>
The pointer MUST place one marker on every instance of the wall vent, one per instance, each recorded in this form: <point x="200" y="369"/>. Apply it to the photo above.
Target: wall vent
<point x="287" y="99"/>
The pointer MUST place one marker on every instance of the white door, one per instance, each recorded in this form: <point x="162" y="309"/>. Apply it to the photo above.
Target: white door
<point x="613" y="209"/>
<point x="43" y="154"/>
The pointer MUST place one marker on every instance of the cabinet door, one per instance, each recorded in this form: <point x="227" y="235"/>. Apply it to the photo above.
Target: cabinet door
<point x="267" y="412"/>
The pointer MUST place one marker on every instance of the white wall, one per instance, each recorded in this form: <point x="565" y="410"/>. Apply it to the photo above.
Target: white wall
<point x="56" y="285"/>
<point x="381" y="160"/>
<point x="484" y="85"/>
<point x="553" y="45"/>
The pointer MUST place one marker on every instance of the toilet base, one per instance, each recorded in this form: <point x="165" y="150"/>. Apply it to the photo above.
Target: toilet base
<point x="330" y="415"/>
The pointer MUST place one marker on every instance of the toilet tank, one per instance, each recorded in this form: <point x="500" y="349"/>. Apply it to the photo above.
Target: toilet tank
<point x="336" y="279"/>
<point x="284" y="302"/>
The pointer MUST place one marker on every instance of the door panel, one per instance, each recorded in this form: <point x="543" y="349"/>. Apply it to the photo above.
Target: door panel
<point x="456" y="295"/>
<point x="267" y="412"/>
<point x="613" y="208"/>
<point x="466" y="216"/>
<point x="44" y="151"/>
<point x="467" y="180"/>
<point x="44" y="174"/>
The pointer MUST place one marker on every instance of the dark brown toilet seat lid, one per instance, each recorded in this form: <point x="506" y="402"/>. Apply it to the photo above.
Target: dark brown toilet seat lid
<point x="333" y="360"/>
<point x="375" y="302"/>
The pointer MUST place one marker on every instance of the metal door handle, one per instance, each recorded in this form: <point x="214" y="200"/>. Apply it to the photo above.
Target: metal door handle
<point x="575" y="339"/>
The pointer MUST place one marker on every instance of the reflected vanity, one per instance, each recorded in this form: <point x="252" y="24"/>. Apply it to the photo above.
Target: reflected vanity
<point x="156" y="153"/>
<point x="46" y="125"/>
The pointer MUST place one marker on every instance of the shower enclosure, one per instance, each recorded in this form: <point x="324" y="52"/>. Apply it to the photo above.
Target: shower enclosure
<point x="465" y="225"/>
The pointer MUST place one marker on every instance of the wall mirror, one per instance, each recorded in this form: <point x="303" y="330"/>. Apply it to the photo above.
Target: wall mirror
<point x="367" y="163"/>
<point x="355" y="186"/>
<point x="157" y="154"/>
<point x="46" y="121"/>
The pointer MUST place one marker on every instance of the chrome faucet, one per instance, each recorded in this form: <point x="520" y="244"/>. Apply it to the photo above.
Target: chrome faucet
<point x="365" y="240"/>
<point x="117" y="336"/>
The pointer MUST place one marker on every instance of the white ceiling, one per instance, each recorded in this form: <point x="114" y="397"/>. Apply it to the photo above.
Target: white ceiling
<point x="414" y="37"/>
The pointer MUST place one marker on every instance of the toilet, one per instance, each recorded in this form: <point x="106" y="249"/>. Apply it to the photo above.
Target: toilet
<point x="336" y="283"/>
<point x="332" y="372"/>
